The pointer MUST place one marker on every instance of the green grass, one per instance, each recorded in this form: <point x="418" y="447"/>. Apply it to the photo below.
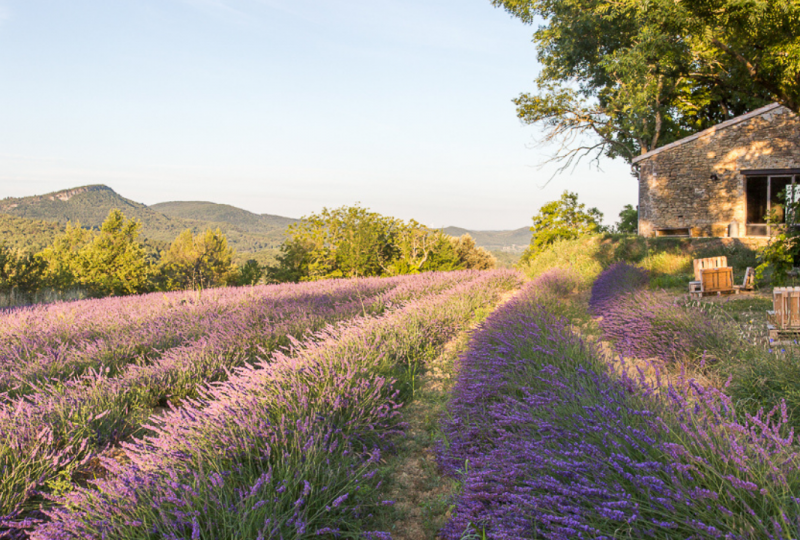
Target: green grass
<point x="669" y="260"/>
<point x="762" y="375"/>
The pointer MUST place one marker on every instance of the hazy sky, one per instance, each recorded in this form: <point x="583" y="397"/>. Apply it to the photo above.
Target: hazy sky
<point x="283" y="107"/>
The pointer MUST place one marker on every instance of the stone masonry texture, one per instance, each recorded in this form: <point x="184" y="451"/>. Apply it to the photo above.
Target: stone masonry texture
<point x="675" y="186"/>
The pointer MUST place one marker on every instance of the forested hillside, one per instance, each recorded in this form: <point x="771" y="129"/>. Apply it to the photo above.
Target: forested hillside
<point x="253" y="236"/>
<point x="514" y="241"/>
<point x="29" y="235"/>
<point x="258" y="235"/>
<point x="224" y="213"/>
<point x="90" y="205"/>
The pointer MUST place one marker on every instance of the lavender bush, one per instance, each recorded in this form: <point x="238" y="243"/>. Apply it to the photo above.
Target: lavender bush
<point x="617" y="280"/>
<point x="549" y="443"/>
<point x="286" y="447"/>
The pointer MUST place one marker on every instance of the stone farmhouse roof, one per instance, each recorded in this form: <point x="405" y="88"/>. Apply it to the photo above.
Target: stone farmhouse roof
<point x="709" y="131"/>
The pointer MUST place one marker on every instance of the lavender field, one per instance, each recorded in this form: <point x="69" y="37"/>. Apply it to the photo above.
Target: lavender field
<point x="549" y="442"/>
<point x="269" y="412"/>
<point x="243" y="413"/>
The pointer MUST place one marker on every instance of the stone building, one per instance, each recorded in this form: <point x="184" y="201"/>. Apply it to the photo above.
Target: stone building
<point x="725" y="180"/>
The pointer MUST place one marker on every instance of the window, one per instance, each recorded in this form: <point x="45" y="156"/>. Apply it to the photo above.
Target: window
<point x="770" y="193"/>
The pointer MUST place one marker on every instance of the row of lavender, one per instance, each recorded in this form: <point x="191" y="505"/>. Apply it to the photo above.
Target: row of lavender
<point x="646" y="324"/>
<point x="55" y="428"/>
<point x="287" y="448"/>
<point x="551" y="443"/>
<point x="64" y="340"/>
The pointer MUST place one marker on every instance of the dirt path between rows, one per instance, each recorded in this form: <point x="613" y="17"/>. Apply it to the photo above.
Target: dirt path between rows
<point x="423" y="497"/>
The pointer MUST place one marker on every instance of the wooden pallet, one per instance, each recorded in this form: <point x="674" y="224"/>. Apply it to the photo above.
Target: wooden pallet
<point x="749" y="282"/>
<point x="785" y="308"/>
<point x="709" y="263"/>
<point x="778" y="336"/>
<point x="701" y="294"/>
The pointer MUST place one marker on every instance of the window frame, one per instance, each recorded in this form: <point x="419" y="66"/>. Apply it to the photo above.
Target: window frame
<point x="794" y="174"/>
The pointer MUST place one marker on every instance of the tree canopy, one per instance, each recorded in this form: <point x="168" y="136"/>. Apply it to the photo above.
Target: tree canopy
<point x="352" y="241"/>
<point x="18" y="270"/>
<point x="628" y="220"/>
<point x="623" y="77"/>
<point x="111" y="261"/>
<point x="204" y="260"/>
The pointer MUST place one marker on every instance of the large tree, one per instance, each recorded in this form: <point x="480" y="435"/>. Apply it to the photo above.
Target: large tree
<point x="622" y="77"/>
<point x="759" y="39"/>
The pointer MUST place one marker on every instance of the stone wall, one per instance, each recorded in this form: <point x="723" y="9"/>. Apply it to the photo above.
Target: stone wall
<point x="675" y="186"/>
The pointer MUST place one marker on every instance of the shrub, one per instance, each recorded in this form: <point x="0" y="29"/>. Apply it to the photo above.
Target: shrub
<point x="618" y="279"/>
<point x="580" y="256"/>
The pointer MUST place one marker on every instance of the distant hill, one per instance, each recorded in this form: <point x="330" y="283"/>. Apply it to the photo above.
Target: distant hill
<point x="224" y="213"/>
<point x="32" y="222"/>
<point x="255" y="237"/>
<point x="90" y="205"/>
<point x="514" y="241"/>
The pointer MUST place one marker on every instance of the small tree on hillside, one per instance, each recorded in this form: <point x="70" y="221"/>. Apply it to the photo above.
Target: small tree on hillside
<point x="250" y="273"/>
<point x="64" y="261"/>
<point x="420" y="249"/>
<point x="564" y="219"/>
<point x="109" y="262"/>
<point x="471" y="255"/>
<point x="343" y="242"/>
<point x="192" y="261"/>
<point x="355" y="242"/>
<point x="22" y="271"/>
<point x="115" y="262"/>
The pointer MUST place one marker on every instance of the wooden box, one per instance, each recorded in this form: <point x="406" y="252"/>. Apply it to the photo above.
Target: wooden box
<point x="717" y="279"/>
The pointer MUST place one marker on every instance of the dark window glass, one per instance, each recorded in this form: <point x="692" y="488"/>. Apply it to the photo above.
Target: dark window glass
<point x="779" y="189"/>
<point x="757" y="199"/>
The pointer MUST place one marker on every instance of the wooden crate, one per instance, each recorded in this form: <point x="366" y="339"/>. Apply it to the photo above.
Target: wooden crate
<point x="786" y="307"/>
<point x="710" y="262"/>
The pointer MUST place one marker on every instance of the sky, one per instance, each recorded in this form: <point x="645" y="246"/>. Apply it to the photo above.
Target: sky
<point x="285" y="107"/>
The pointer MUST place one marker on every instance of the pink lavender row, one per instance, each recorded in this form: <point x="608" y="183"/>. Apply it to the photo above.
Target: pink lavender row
<point x="65" y="423"/>
<point x="643" y="324"/>
<point x="549" y="443"/>
<point x="288" y="448"/>
<point x="34" y="358"/>
<point x="101" y="341"/>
